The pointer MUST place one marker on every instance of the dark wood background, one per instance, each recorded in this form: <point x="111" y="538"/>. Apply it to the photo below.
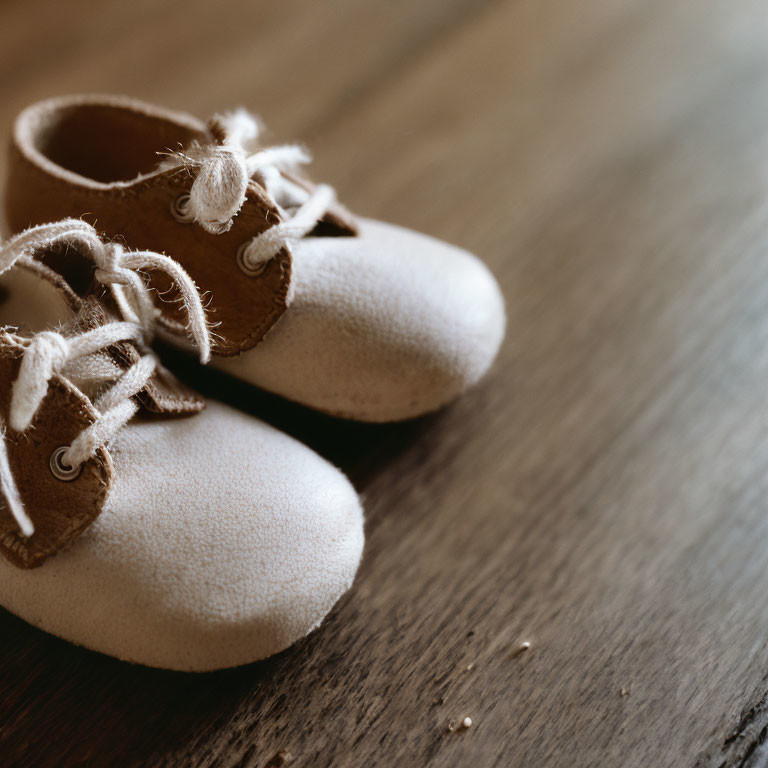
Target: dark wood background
<point x="602" y="494"/>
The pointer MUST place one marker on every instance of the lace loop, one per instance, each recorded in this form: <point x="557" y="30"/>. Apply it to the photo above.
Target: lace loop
<point x="119" y="268"/>
<point x="11" y="492"/>
<point x="46" y="354"/>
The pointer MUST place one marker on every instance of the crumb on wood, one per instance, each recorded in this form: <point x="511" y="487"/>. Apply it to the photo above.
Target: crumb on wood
<point x="462" y="725"/>
<point x="522" y="648"/>
<point x="470" y="667"/>
<point x="280" y="759"/>
<point x="624" y="691"/>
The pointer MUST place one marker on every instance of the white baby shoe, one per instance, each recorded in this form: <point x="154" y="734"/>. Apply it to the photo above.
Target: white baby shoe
<point x="364" y="320"/>
<point x="136" y="521"/>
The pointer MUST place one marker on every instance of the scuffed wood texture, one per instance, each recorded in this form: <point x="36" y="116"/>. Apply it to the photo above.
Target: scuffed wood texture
<point x="602" y="494"/>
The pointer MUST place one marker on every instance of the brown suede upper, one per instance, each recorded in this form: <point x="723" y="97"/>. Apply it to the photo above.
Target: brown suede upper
<point x="97" y="158"/>
<point x="61" y="510"/>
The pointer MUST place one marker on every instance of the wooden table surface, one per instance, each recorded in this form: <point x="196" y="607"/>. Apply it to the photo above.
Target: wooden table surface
<point x="602" y="494"/>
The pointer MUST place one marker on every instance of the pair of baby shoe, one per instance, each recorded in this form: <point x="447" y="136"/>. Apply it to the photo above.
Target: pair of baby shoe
<point x="171" y="531"/>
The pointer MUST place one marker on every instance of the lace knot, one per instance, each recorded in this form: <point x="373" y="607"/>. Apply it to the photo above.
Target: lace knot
<point x="46" y="354"/>
<point x="224" y="169"/>
<point x="219" y="189"/>
<point x="109" y="269"/>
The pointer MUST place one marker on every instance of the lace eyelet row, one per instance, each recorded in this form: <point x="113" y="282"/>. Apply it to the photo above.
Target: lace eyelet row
<point x="180" y="211"/>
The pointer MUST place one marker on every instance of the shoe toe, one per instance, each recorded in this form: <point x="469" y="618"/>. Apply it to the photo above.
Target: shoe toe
<point x="384" y="326"/>
<point x="222" y="541"/>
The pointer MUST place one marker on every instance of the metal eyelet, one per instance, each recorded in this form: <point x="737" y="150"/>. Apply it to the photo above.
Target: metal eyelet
<point x="180" y="209"/>
<point x="59" y="468"/>
<point x="245" y="266"/>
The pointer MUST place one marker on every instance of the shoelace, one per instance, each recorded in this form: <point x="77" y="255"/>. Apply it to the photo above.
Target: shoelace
<point x="119" y="269"/>
<point x="49" y="352"/>
<point x="224" y="172"/>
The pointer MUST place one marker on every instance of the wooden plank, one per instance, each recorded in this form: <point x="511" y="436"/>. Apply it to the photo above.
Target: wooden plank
<point x="600" y="495"/>
<point x="292" y="61"/>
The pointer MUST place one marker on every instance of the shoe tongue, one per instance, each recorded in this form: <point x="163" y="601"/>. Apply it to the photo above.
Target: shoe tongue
<point x="163" y="393"/>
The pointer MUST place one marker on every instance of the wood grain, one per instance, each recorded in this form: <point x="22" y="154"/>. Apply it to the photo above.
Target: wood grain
<point x="601" y="494"/>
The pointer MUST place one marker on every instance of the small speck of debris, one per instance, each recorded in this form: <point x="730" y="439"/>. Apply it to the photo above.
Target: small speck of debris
<point x="624" y="692"/>
<point x="280" y="759"/>
<point x="470" y="667"/>
<point x="522" y="648"/>
<point x="462" y="726"/>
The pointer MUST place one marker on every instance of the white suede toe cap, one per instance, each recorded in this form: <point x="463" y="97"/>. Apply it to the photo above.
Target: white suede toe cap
<point x="384" y="326"/>
<point x="222" y="541"/>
